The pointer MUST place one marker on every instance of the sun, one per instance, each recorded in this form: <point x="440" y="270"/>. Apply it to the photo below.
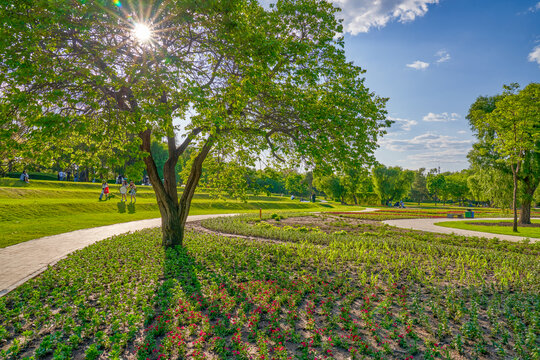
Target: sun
<point x="142" y="32"/>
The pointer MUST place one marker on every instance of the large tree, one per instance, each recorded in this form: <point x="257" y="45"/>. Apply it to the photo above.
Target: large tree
<point x="239" y="76"/>
<point x="484" y="154"/>
<point x="514" y="134"/>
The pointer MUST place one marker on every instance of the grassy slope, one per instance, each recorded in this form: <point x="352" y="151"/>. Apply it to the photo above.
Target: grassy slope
<point x="41" y="208"/>
<point x="522" y="231"/>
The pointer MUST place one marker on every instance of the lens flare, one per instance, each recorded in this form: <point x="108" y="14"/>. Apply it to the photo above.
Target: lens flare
<point x="117" y="3"/>
<point x="142" y="32"/>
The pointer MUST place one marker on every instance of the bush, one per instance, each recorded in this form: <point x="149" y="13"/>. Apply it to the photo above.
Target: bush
<point x="277" y="217"/>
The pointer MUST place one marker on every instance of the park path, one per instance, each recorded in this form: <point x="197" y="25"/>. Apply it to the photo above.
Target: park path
<point x="429" y="226"/>
<point x="21" y="262"/>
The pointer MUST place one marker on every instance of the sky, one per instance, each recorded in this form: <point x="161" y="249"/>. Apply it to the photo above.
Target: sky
<point x="433" y="58"/>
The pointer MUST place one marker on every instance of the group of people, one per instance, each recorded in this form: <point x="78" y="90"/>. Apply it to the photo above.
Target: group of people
<point x="126" y="188"/>
<point x="64" y="176"/>
<point x="398" y="204"/>
<point x="24" y="177"/>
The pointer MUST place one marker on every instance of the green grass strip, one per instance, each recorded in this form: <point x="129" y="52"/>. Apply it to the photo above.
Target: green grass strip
<point x="529" y="232"/>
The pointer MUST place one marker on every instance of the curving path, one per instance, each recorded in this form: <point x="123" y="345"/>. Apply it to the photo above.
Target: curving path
<point x="23" y="261"/>
<point x="429" y="225"/>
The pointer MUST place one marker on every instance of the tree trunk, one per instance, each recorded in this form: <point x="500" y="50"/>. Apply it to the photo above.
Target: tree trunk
<point x="193" y="180"/>
<point x="525" y="213"/>
<point x="514" y="197"/>
<point x="171" y="228"/>
<point x="529" y="190"/>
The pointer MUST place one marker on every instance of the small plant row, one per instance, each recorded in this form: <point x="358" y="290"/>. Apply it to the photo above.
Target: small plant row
<point x="343" y="297"/>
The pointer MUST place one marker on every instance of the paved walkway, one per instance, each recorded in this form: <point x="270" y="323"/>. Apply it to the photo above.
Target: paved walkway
<point x="429" y="225"/>
<point x="21" y="262"/>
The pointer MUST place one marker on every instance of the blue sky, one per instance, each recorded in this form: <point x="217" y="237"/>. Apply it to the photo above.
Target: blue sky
<point x="433" y="58"/>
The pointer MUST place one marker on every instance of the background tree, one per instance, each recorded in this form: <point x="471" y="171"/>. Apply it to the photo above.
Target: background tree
<point x="355" y="181"/>
<point x="331" y="185"/>
<point x="392" y="183"/>
<point x="241" y="76"/>
<point x="295" y="184"/>
<point x="436" y="184"/>
<point x="491" y="185"/>
<point x="271" y="180"/>
<point x="456" y="187"/>
<point x="419" y="191"/>
<point x="516" y="130"/>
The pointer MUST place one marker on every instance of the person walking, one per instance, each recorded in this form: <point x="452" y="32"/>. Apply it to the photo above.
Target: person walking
<point x="104" y="190"/>
<point x="133" y="192"/>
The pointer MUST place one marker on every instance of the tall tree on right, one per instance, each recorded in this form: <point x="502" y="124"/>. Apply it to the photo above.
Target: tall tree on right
<point x="510" y="134"/>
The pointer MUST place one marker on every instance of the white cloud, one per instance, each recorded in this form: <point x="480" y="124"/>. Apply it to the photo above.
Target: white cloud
<point x="534" y="56"/>
<point x="419" y="65"/>
<point x="404" y="124"/>
<point x="442" y="55"/>
<point x="462" y="132"/>
<point x="359" y="16"/>
<point x="428" y="150"/>
<point x="362" y="15"/>
<point x="439" y="158"/>
<point x="535" y="8"/>
<point x="442" y="117"/>
<point x="429" y="143"/>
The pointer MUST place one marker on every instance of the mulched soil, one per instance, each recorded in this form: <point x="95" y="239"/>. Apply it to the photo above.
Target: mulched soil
<point x="329" y="224"/>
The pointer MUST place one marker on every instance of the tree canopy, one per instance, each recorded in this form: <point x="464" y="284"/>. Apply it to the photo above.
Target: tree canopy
<point x="243" y="78"/>
<point x="508" y="130"/>
<point x="391" y="183"/>
<point x="514" y="131"/>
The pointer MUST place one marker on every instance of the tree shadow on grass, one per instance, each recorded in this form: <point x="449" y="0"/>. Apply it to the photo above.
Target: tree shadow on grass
<point x="179" y="274"/>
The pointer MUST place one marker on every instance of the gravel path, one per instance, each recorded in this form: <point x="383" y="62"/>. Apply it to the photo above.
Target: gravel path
<point x="429" y="225"/>
<point x="21" y="262"/>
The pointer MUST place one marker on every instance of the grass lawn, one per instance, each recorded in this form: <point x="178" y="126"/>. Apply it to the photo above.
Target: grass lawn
<point x="367" y="291"/>
<point x="41" y="208"/>
<point x="531" y="232"/>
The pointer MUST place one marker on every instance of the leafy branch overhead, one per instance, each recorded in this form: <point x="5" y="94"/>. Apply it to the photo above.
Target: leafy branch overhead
<point x="238" y="75"/>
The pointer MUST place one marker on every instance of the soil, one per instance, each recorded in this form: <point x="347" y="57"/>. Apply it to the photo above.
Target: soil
<point x="329" y="224"/>
<point x="502" y="223"/>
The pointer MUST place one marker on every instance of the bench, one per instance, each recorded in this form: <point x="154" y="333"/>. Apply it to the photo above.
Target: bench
<point x="455" y="215"/>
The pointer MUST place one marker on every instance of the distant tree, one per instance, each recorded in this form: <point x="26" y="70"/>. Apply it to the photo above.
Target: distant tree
<point x="456" y="187"/>
<point x="295" y="184"/>
<point x="491" y="185"/>
<point x="357" y="184"/>
<point x="331" y="185"/>
<point x="436" y="185"/>
<point x="271" y="180"/>
<point x="391" y="183"/>
<point x="419" y="191"/>
<point x="516" y="130"/>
